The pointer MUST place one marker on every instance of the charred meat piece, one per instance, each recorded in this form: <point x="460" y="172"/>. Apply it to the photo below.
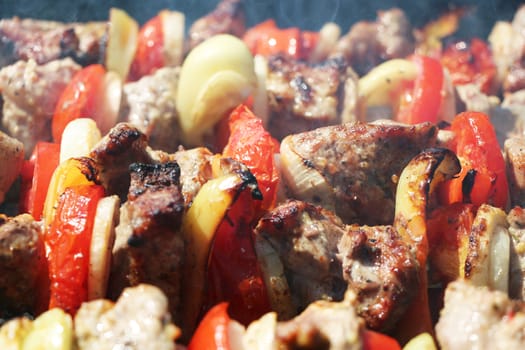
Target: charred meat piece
<point x="149" y="247"/>
<point x="121" y="147"/>
<point x="11" y="158"/>
<point x="195" y="170"/>
<point x="303" y="96"/>
<point x="44" y="41"/>
<point x="369" y="43"/>
<point x="227" y="18"/>
<point x="149" y="105"/>
<point x="360" y="163"/>
<point x="516" y="220"/>
<point x="381" y="270"/>
<point x="30" y="92"/>
<point x="21" y="261"/>
<point x="306" y="239"/>
<point x="515" y="159"/>
<point x="477" y="318"/>
<point x="138" y="320"/>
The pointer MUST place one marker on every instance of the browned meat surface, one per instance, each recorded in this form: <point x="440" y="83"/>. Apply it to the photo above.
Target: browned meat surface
<point x="11" y="158"/>
<point x="516" y="219"/>
<point x="30" y="93"/>
<point x="117" y="150"/>
<point x="21" y="261"/>
<point x="227" y="18"/>
<point x="381" y="270"/>
<point x="323" y="325"/>
<point x="348" y="157"/>
<point x="44" y="41"/>
<point x="195" y="170"/>
<point x="138" y="320"/>
<point x="149" y="105"/>
<point x="515" y="159"/>
<point x="369" y="43"/>
<point x="303" y="96"/>
<point x="477" y="318"/>
<point x="306" y="238"/>
<point x="149" y="246"/>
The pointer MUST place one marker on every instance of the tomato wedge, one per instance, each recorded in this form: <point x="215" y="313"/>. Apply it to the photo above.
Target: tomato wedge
<point x="377" y="341"/>
<point x="212" y="332"/>
<point x="483" y="174"/>
<point x="421" y="103"/>
<point x="252" y="145"/>
<point x="36" y="175"/>
<point x="471" y="62"/>
<point x="267" y="39"/>
<point x="149" y="55"/>
<point x="68" y="242"/>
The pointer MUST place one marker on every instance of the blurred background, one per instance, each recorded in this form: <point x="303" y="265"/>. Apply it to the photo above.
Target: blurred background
<point x="307" y="14"/>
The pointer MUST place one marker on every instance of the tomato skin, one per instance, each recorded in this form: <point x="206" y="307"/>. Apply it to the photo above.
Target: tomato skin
<point x="471" y="63"/>
<point x="267" y="39"/>
<point x="36" y="176"/>
<point x="483" y="175"/>
<point x="79" y="99"/>
<point x="149" y="55"/>
<point x="212" y="332"/>
<point x="252" y="145"/>
<point x="377" y="341"/>
<point x="424" y="99"/>
<point x="68" y="243"/>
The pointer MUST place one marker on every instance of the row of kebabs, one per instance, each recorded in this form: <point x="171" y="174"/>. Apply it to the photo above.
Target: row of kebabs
<point x="340" y="177"/>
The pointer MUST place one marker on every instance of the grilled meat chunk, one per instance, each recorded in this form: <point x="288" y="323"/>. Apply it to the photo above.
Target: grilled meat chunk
<point x="306" y="238"/>
<point x="361" y="163"/>
<point x="379" y="267"/>
<point x="227" y="18"/>
<point x="12" y="157"/>
<point x="515" y="159"/>
<point x="30" y="92"/>
<point x="195" y="170"/>
<point x="516" y="219"/>
<point x="138" y="320"/>
<point x="149" y="246"/>
<point x="477" y="318"/>
<point x="303" y="96"/>
<point x="44" y="41"/>
<point x="21" y="261"/>
<point x="369" y="43"/>
<point x="149" y="105"/>
<point x="121" y="147"/>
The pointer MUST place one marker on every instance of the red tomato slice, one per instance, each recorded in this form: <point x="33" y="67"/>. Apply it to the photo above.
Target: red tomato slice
<point x="68" y="242"/>
<point x="234" y="274"/>
<point x="422" y="103"/>
<point x="36" y="175"/>
<point x="377" y="341"/>
<point x="267" y="39"/>
<point x="471" y="63"/>
<point x="483" y="175"/>
<point x="149" y="55"/>
<point x="252" y="145"/>
<point x="79" y="99"/>
<point x="212" y="332"/>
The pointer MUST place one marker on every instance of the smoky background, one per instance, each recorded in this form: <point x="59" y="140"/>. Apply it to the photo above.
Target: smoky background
<point x="306" y="14"/>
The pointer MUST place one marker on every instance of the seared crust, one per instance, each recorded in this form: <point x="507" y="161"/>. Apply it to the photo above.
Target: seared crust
<point x="362" y="162"/>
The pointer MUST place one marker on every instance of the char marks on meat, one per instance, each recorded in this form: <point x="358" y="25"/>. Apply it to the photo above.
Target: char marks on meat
<point x="11" y="158"/>
<point x="306" y="238"/>
<point x="369" y="43"/>
<point x="381" y="270"/>
<point x="21" y="265"/>
<point x="121" y="147"/>
<point x="149" y="105"/>
<point x="30" y="92"/>
<point x="149" y="246"/>
<point x="477" y="318"/>
<point x="195" y="170"/>
<point x="227" y="18"/>
<point x="138" y="320"/>
<point x="303" y="96"/>
<point x="361" y="162"/>
<point x="44" y="41"/>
